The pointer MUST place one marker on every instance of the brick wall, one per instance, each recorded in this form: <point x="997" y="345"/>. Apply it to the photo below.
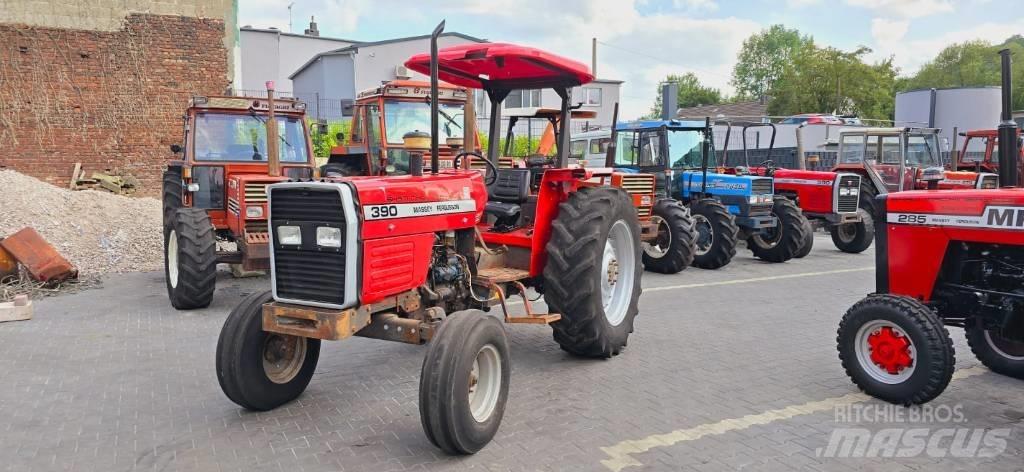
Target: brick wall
<point x="107" y="99"/>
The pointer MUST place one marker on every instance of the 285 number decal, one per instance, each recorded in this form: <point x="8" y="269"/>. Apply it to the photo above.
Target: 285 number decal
<point x="912" y="219"/>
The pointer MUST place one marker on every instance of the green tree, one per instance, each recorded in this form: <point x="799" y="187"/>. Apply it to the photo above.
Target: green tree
<point x="691" y="93"/>
<point x="970" y="64"/>
<point x="764" y="57"/>
<point x="831" y="80"/>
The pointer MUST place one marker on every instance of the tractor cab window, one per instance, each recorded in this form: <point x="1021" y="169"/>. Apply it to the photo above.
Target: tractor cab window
<point x="243" y="138"/>
<point x="642" y="149"/>
<point x="685" y="149"/>
<point x="577" y="148"/>
<point x="922" y="150"/>
<point x="403" y="117"/>
<point x="852" y="149"/>
<point x="890" y="148"/>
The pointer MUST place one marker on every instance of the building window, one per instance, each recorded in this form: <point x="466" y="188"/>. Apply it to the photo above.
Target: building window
<point x="591" y="96"/>
<point x="599" y="146"/>
<point x="523" y="99"/>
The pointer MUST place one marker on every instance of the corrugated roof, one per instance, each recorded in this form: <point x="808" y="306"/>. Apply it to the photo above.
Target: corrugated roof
<point x="745" y="109"/>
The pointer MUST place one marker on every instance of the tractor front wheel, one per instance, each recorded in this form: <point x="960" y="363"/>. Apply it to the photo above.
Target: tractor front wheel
<point x="896" y="349"/>
<point x="464" y="382"/>
<point x="716" y="234"/>
<point x="674" y="249"/>
<point x="592" y="277"/>
<point x="854" y="238"/>
<point x="784" y="241"/>
<point x="808" y="243"/>
<point x="260" y="370"/>
<point x="999" y="352"/>
<point x="190" y="259"/>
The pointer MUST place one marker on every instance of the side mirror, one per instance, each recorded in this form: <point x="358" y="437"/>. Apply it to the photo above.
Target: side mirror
<point x="176" y="148"/>
<point x="340" y="137"/>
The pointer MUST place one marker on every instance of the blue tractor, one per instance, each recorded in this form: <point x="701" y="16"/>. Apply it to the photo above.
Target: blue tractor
<point x="726" y="207"/>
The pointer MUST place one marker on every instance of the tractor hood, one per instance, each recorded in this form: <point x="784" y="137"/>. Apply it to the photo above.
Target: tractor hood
<point x="725" y="184"/>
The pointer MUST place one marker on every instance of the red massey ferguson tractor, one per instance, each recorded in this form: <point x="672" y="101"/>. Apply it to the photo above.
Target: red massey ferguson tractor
<point x="944" y="258"/>
<point x="985" y="141"/>
<point x="422" y="257"/>
<point x="216" y="193"/>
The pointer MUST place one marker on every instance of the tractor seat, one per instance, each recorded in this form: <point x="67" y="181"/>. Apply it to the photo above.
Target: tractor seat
<point x="509" y="190"/>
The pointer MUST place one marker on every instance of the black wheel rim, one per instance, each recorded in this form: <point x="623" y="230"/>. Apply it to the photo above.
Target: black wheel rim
<point x="846" y="232"/>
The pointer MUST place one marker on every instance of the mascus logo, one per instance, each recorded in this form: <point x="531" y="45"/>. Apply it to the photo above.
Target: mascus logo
<point x="1010" y="217"/>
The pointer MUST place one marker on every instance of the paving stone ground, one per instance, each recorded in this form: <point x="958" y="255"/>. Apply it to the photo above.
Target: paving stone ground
<point x="115" y="379"/>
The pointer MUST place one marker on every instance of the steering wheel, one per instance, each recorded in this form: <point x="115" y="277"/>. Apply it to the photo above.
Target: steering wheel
<point x="492" y="170"/>
<point x="769" y="167"/>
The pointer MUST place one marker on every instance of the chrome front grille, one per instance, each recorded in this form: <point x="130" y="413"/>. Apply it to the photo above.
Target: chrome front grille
<point x="638" y="183"/>
<point x="847" y="191"/>
<point x="760" y="186"/>
<point x="308" y="272"/>
<point x="255" y="192"/>
<point x="760" y="209"/>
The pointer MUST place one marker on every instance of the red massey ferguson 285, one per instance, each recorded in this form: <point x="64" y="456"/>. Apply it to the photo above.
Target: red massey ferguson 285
<point x="421" y="257"/>
<point x="944" y="258"/>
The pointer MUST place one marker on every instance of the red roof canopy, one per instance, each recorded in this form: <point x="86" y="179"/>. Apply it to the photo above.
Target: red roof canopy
<point x="502" y="65"/>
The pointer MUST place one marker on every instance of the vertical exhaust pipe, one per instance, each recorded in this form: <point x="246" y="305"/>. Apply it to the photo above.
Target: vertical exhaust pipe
<point x="273" y="155"/>
<point x="609" y="157"/>
<point x="1008" y="150"/>
<point x="434" y="164"/>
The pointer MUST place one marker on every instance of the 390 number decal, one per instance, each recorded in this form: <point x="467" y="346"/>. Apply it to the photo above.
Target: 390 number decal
<point x="383" y="211"/>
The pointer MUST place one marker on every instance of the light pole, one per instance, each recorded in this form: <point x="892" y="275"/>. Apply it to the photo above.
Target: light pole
<point x="290" y="16"/>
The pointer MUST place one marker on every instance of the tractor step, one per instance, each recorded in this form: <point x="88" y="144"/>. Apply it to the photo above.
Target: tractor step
<point x="500" y="275"/>
<point x="547" y="318"/>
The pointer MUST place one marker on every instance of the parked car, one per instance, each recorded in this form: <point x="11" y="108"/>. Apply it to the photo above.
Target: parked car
<point x="851" y="120"/>
<point x="813" y="119"/>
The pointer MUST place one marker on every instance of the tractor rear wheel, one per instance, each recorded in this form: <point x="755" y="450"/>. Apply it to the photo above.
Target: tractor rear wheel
<point x="592" y="277"/>
<point x="1003" y="354"/>
<point x="171" y="195"/>
<point x="808" y="243"/>
<point x="867" y="197"/>
<point x="464" y="382"/>
<point x="190" y="259"/>
<point x="854" y="238"/>
<point x="781" y="243"/>
<point x="260" y="370"/>
<point x="674" y="249"/>
<point x="716" y="234"/>
<point x="896" y="349"/>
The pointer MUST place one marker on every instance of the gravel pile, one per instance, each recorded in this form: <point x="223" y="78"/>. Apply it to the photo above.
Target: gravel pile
<point x="98" y="232"/>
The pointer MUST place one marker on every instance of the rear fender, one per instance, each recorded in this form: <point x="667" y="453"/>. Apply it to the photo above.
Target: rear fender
<point x="555" y="187"/>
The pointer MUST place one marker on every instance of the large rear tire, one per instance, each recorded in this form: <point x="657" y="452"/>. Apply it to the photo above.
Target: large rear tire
<point x="717" y="234"/>
<point x="781" y="243"/>
<point x="592" y="277"/>
<point x="674" y="249"/>
<point x="808" y="243"/>
<point x="896" y="349"/>
<point x="260" y="370"/>
<point x="171" y="195"/>
<point x="854" y="238"/>
<point x="190" y="259"/>
<point x="340" y="169"/>
<point x="1002" y="354"/>
<point x="464" y="382"/>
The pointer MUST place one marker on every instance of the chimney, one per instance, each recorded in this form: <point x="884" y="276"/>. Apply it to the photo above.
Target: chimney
<point x="312" y="31"/>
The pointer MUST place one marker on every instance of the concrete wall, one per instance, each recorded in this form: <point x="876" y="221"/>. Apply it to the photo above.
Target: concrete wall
<point x="273" y="55"/>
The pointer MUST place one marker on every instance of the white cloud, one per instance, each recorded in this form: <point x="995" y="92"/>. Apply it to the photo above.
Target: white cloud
<point x="696" y="5"/>
<point x="801" y="3"/>
<point x="911" y="55"/>
<point x="886" y="31"/>
<point x="904" y="8"/>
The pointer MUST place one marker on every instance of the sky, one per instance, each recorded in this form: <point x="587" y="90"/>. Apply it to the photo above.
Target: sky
<point x="642" y="41"/>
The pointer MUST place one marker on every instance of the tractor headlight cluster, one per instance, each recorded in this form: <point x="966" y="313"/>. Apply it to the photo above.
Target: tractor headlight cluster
<point x="254" y="212"/>
<point x="289" y="235"/>
<point x="327" y="236"/>
<point x="763" y="198"/>
<point x="848" y="191"/>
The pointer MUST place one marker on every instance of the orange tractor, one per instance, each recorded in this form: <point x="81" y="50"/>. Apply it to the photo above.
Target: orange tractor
<point x="214" y="194"/>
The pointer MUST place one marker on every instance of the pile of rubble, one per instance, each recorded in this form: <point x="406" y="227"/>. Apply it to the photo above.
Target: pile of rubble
<point x="98" y="232"/>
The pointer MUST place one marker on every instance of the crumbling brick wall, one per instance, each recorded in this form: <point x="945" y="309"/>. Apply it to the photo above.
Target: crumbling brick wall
<point x="107" y="99"/>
